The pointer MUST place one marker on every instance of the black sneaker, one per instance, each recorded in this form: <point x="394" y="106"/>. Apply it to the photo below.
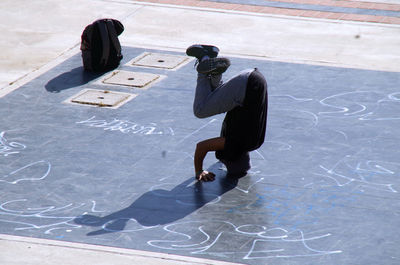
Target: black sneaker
<point x="214" y="66"/>
<point x="199" y="51"/>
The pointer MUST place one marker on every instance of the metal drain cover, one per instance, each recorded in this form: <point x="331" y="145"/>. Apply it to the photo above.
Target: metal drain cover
<point x="158" y="60"/>
<point x="134" y="79"/>
<point x="101" y="98"/>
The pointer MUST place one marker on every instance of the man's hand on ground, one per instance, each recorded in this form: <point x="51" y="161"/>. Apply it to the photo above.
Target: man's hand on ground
<point x="205" y="176"/>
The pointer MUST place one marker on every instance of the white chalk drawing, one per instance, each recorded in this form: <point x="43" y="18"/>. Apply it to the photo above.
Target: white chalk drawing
<point x="257" y="241"/>
<point x="195" y="237"/>
<point x="126" y="127"/>
<point x="292" y="97"/>
<point x="364" y="105"/>
<point x="197" y="130"/>
<point x="35" y="171"/>
<point x="246" y="190"/>
<point x="364" y="174"/>
<point x="343" y="134"/>
<point x="387" y="109"/>
<point x="295" y="119"/>
<point x="275" y="246"/>
<point x="93" y="209"/>
<point x="51" y="218"/>
<point x="44" y="217"/>
<point x="8" y="148"/>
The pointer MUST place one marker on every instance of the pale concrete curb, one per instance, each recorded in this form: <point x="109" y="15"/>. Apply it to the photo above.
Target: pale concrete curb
<point x="16" y="250"/>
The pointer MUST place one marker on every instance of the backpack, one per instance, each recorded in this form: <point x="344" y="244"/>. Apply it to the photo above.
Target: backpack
<point x="101" y="50"/>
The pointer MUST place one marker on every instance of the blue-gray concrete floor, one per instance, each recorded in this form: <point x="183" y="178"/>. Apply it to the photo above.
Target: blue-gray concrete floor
<point x="323" y="189"/>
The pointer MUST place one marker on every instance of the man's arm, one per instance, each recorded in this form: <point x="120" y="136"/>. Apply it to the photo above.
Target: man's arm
<point x="202" y="148"/>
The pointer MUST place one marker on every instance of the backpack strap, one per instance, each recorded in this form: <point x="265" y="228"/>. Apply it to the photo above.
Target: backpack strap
<point x="113" y="36"/>
<point x="105" y="42"/>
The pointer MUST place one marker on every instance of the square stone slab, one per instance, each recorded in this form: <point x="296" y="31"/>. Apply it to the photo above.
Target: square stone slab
<point x="159" y="60"/>
<point x="133" y="79"/>
<point x="101" y="98"/>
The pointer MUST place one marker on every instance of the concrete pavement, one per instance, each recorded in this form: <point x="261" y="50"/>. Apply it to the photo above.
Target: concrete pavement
<point x="37" y="35"/>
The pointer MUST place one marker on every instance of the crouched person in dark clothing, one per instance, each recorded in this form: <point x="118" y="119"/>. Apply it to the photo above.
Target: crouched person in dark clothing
<point x="244" y="98"/>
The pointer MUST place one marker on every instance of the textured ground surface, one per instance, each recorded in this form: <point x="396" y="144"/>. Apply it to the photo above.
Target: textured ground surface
<point x="324" y="187"/>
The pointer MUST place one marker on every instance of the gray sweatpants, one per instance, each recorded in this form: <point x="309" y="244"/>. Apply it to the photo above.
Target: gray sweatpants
<point x="213" y="96"/>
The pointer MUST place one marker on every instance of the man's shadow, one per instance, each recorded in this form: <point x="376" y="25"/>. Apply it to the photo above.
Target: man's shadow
<point x="160" y="206"/>
<point x="76" y="77"/>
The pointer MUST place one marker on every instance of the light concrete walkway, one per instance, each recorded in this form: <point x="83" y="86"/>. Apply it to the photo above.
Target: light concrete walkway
<point x="38" y="32"/>
<point x="32" y="251"/>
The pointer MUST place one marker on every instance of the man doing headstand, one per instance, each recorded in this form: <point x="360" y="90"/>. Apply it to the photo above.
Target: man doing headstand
<point x="244" y="98"/>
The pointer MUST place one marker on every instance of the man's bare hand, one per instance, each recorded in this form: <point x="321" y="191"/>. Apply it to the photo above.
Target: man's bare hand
<point x="205" y="176"/>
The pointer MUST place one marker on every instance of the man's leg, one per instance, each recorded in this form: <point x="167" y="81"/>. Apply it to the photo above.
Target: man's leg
<point x="210" y="100"/>
<point x="212" y="95"/>
<point x="205" y="99"/>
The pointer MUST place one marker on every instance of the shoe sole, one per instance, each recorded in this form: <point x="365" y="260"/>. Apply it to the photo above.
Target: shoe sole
<point x="199" y="50"/>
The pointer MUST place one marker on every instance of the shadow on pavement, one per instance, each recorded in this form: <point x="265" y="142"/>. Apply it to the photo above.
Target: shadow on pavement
<point x="160" y="206"/>
<point x="76" y="77"/>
